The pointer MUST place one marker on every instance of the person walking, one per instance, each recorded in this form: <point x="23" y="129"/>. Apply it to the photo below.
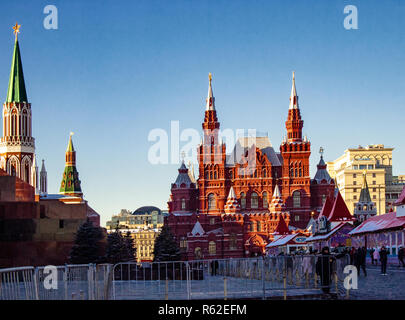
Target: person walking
<point x="372" y="255"/>
<point x="376" y="256"/>
<point x="324" y="269"/>
<point x="383" y="259"/>
<point x="401" y="254"/>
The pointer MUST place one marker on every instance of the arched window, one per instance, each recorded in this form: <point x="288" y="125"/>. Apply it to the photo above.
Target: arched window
<point x="183" y="204"/>
<point x="197" y="253"/>
<point x="211" y="201"/>
<point x="212" y="248"/>
<point x="215" y="174"/>
<point x="291" y="172"/>
<point x="264" y="173"/>
<point x="254" y="201"/>
<point x="265" y="200"/>
<point x="243" y="200"/>
<point x="27" y="172"/>
<point x="296" y="199"/>
<point x="323" y="199"/>
<point x="13" y="124"/>
<point x="300" y="172"/>
<point x="258" y="226"/>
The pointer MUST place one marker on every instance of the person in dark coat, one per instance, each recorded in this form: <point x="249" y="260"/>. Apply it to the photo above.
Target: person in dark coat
<point x="324" y="269"/>
<point x="383" y="259"/>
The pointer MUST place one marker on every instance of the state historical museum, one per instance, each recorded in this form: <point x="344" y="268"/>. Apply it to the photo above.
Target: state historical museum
<point x="239" y="203"/>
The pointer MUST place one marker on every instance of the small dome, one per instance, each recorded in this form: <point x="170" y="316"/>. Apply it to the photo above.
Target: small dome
<point x="146" y="210"/>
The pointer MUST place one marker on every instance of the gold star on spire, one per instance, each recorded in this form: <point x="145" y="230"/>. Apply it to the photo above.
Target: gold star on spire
<point x="16" y="29"/>
<point x="209" y="76"/>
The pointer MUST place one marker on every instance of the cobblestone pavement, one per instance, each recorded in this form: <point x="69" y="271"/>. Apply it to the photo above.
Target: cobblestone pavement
<point x="378" y="287"/>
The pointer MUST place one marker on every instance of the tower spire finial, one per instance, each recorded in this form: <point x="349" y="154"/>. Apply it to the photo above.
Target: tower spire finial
<point x="293" y="97"/>
<point x="210" y="98"/>
<point x="16" y="29"/>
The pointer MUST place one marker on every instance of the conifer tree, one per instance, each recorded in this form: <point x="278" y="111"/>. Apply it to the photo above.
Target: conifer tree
<point x="131" y="251"/>
<point x="166" y="248"/>
<point x="86" y="248"/>
<point x="119" y="248"/>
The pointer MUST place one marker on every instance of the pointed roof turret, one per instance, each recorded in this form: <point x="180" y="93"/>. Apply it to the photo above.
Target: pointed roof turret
<point x="282" y="227"/>
<point x="70" y="147"/>
<point x="293" y="96"/>
<point x="183" y="178"/>
<point x="210" y="105"/>
<point x="327" y="208"/>
<point x="339" y="211"/>
<point x="16" y="86"/>
<point x="322" y="174"/>
<point x="365" y="193"/>
<point x="71" y="184"/>
<point x="232" y="204"/>
<point x="277" y="203"/>
<point x="43" y="166"/>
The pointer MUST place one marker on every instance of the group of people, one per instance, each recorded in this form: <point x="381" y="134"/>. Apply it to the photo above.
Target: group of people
<point x="358" y="258"/>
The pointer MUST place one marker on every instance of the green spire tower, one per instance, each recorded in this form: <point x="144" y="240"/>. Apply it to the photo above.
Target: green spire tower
<point x="17" y="146"/>
<point x="16" y="85"/>
<point x="70" y="182"/>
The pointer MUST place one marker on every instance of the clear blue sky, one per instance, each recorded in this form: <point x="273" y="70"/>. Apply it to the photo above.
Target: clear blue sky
<point x="114" y="70"/>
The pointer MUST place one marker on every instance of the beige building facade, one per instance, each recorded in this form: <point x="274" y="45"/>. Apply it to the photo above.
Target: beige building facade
<point x="144" y="224"/>
<point x="376" y="162"/>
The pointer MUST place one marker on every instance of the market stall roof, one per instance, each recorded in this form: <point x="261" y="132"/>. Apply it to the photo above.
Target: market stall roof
<point x="339" y="211"/>
<point x="401" y="198"/>
<point x="380" y="223"/>
<point x="326" y="236"/>
<point x="283" y="240"/>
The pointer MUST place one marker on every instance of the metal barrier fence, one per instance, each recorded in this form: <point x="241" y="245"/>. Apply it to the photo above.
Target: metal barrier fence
<point x="256" y="278"/>
<point x="263" y="277"/>
<point x="73" y="282"/>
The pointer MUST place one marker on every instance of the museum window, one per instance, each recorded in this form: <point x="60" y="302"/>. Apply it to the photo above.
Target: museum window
<point x="243" y="200"/>
<point x="296" y="199"/>
<point x="254" y="201"/>
<point x="233" y="242"/>
<point x="183" y="204"/>
<point x="374" y="175"/>
<point x="197" y="253"/>
<point x="258" y="226"/>
<point x="212" y="248"/>
<point x="265" y="200"/>
<point x="211" y="201"/>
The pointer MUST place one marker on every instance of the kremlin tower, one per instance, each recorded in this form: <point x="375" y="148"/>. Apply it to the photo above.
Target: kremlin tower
<point x="17" y="146"/>
<point x="70" y="185"/>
